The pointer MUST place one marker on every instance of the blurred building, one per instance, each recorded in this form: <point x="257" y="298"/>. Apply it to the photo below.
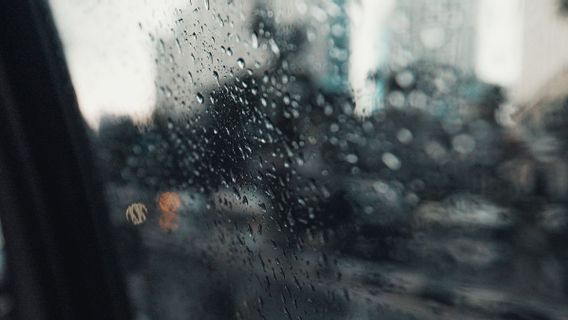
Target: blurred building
<point x="438" y="31"/>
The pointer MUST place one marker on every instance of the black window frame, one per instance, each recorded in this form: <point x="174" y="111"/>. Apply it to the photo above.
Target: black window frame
<point x="61" y="256"/>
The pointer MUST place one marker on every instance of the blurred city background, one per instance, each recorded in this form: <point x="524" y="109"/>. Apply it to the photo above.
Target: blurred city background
<point x="330" y="159"/>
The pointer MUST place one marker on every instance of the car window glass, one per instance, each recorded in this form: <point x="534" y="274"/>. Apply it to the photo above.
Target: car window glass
<point x="330" y="159"/>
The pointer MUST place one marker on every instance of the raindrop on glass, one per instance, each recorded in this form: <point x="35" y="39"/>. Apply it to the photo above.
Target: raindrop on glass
<point x="199" y="97"/>
<point x="241" y="63"/>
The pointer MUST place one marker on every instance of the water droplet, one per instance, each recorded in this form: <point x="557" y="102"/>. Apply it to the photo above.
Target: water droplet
<point x="274" y="47"/>
<point x="254" y="40"/>
<point x="404" y="136"/>
<point x="463" y="143"/>
<point x="178" y="45"/>
<point x="405" y="79"/>
<point x="351" y="158"/>
<point x="161" y="46"/>
<point x="391" y="161"/>
<point x="199" y="97"/>
<point x="216" y="76"/>
<point x="241" y="63"/>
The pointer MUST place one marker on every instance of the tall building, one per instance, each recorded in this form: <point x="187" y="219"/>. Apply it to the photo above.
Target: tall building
<point x="437" y="31"/>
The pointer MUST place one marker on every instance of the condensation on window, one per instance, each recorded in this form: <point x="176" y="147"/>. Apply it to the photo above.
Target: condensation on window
<point x="330" y="159"/>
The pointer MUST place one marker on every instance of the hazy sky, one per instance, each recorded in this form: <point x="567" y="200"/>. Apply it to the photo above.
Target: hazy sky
<point x="111" y="58"/>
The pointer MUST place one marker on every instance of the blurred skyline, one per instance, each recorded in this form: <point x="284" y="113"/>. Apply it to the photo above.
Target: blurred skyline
<point x="111" y="46"/>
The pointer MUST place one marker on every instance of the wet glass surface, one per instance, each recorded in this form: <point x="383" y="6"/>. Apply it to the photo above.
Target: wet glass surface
<point x="330" y="159"/>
